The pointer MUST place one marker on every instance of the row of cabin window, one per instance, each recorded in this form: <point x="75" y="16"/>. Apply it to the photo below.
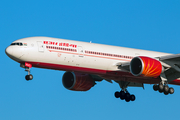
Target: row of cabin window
<point x="107" y="54"/>
<point x="60" y="48"/>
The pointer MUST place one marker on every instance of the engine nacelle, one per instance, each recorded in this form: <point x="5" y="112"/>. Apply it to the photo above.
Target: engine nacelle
<point x="77" y="81"/>
<point x="146" y="66"/>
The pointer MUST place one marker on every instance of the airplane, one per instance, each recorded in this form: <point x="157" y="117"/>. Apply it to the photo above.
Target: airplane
<point x="88" y="63"/>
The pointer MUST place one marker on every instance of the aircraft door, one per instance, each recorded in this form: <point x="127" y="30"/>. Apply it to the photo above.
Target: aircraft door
<point x="80" y="51"/>
<point x="40" y="46"/>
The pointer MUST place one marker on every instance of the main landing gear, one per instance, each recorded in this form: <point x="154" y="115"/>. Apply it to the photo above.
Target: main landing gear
<point x="125" y="95"/>
<point x="163" y="88"/>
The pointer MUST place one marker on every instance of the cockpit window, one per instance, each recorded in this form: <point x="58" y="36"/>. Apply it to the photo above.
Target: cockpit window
<point x="13" y="43"/>
<point x="17" y="43"/>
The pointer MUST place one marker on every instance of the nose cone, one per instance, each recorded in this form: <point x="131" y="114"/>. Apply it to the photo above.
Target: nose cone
<point x="9" y="51"/>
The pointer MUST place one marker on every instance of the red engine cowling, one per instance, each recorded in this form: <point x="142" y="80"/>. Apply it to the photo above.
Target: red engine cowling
<point x="146" y="66"/>
<point x="77" y="81"/>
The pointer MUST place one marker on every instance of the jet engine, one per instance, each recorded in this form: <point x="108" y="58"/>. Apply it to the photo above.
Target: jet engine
<point x="77" y="81"/>
<point x="145" y="66"/>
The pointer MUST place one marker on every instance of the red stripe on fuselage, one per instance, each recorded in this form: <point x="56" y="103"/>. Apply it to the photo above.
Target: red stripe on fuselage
<point x="106" y="74"/>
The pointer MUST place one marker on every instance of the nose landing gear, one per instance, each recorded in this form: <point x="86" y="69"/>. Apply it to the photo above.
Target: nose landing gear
<point x="27" y="67"/>
<point x="29" y="76"/>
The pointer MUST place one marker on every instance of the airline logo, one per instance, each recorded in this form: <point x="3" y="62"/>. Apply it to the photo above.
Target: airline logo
<point x="60" y="44"/>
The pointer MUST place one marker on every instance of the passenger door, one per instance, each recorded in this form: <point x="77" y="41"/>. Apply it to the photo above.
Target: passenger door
<point x="80" y="51"/>
<point x="40" y="46"/>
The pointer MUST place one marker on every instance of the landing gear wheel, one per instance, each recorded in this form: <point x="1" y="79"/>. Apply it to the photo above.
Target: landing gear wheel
<point x="171" y="90"/>
<point x="127" y="97"/>
<point x="155" y="87"/>
<point x="29" y="77"/>
<point x="132" y="97"/>
<point x="122" y="95"/>
<point x="161" y="88"/>
<point x="166" y="90"/>
<point x="117" y="94"/>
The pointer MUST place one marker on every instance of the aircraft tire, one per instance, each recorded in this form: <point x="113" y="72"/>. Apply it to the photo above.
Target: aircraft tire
<point x="155" y="87"/>
<point x="122" y="95"/>
<point x="132" y="97"/>
<point x="166" y="90"/>
<point x="171" y="90"/>
<point x="161" y="88"/>
<point x="127" y="97"/>
<point x="29" y="77"/>
<point x="117" y="94"/>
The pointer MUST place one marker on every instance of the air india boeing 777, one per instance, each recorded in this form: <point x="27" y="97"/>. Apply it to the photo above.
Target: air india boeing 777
<point x="86" y="63"/>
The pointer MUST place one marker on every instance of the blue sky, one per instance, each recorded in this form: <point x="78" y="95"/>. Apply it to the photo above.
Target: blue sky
<point x="151" y="25"/>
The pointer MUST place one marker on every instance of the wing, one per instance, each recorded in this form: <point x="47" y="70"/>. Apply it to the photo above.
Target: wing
<point x="170" y="63"/>
<point x="175" y="57"/>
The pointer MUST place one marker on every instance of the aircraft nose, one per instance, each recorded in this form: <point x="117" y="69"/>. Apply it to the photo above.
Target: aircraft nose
<point x="9" y="51"/>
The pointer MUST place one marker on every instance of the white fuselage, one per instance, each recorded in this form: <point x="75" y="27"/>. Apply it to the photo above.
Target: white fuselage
<point x="68" y="55"/>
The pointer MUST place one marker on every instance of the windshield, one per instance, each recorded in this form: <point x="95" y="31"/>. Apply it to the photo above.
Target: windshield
<point x="17" y="43"/>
